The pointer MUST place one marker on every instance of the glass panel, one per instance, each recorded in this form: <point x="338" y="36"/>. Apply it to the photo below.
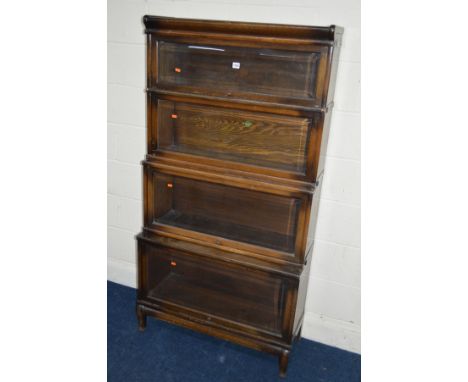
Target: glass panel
<point x="243" y="296"/>
<point x="254" y="138"/>
<point x="247" y="216"/>
<point x="235" y="69"/>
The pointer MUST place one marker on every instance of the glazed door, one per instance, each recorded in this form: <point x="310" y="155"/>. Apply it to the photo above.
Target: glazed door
<point x="257" y="139"/>
<point x="224" y="215"/>
<point x="254" y="299"/>
<point x="238" y="71"/>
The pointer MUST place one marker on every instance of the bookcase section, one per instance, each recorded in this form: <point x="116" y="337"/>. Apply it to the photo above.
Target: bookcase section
<point x="228" y="70"/>
<point x="257" y="300"/>
<point x="242" y="215"/>
<point x="257" y="139"/>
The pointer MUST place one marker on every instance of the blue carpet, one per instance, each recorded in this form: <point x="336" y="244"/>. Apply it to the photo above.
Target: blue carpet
<point x="167" y="353"/>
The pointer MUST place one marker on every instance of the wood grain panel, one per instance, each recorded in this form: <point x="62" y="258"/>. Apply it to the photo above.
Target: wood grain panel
<point x="255" y="138"/>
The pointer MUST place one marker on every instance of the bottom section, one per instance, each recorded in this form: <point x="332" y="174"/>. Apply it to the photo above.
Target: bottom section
<point x="209" y="290"/>
<point x="249" y="299"/>
<point x="250" y="306"/>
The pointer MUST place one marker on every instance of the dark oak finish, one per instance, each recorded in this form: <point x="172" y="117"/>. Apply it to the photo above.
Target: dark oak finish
<point x="259" y="139"/>
<point x="227" y="214"/>
<point x="257" y="301"/>
<point x="237" y="125"/>
<point x="265" y="72"/>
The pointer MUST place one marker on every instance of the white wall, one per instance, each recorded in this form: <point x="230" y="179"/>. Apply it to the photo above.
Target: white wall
<point x="333" y="301"/>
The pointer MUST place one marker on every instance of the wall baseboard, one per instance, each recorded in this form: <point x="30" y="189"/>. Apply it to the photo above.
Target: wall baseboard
<point x="329" y="331"/>
<point x="121" y="272"/>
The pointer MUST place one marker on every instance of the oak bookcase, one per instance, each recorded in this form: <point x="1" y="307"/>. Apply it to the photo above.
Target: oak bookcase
<point x="237" y="126"/>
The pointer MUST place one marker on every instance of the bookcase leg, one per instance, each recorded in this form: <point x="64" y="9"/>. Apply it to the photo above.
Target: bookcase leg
<point x="283" y="363"/>
<point x="141" y="318"/>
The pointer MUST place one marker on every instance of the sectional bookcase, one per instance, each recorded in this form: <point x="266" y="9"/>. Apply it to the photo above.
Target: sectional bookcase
<point x="237" y="127"/>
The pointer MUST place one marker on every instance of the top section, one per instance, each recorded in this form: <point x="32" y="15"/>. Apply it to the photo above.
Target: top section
<point x="283" y="66"/>
<point x="323" y="35"/>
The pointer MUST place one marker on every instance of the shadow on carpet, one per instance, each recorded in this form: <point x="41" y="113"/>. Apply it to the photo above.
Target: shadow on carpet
<point x="167" y="353"/>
